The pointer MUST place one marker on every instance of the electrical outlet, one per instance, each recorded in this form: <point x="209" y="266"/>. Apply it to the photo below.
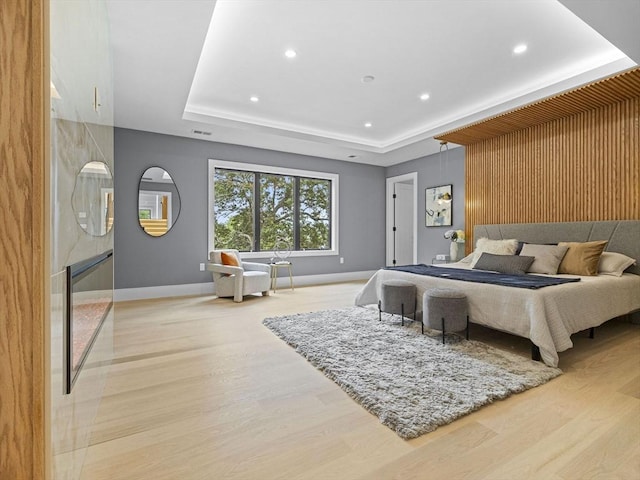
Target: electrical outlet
<point x="202" y="267"/>
<point x="341" y="259"/>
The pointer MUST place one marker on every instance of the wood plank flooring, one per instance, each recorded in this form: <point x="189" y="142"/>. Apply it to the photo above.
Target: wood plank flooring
<point x="200" y="389"/>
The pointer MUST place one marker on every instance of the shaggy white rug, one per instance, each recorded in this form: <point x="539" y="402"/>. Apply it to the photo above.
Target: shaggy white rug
<point x="410" y="381"/>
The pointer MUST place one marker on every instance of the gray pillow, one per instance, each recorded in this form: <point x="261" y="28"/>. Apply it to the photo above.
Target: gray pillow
<point x="513" y="264"/>
<point x="547" y="257"/>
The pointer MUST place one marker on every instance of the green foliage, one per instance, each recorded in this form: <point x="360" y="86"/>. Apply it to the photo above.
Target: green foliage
<point x="234" y="211"/>
<point x="276" y="209"/>
<point x="315" y="199"/>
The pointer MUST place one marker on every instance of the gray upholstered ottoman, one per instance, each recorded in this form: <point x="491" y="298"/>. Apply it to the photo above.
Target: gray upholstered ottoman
<point x="397" y="296"/>
<point x="445" y="310"/>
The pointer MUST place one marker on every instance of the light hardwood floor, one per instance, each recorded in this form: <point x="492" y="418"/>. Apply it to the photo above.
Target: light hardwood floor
<point x="200" y="389"/>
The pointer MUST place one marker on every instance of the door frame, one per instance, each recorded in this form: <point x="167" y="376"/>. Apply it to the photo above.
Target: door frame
<point x="391" y="181"/>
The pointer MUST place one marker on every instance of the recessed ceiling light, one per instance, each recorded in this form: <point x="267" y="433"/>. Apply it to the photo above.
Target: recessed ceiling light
<point x="254" y="99"/>
<point x="521" y="48"/>
<point x="368" y="78"/>
<point x="368" y="125"/>
<point x="424" y="96"/>
<point x="290" y="53"/>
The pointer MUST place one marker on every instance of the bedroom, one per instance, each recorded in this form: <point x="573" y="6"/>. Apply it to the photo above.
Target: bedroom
<point x="361" y="224"/>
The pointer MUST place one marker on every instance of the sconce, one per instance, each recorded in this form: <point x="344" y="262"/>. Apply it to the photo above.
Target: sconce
<point x="444" y="198"/>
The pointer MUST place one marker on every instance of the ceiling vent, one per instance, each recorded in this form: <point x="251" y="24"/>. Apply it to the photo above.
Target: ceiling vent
<point x="201" y="132"/>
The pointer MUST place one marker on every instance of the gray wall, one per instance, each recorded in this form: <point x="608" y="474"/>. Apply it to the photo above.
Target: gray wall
<point x="431" y="173"/>
<point x="173" y="259"/>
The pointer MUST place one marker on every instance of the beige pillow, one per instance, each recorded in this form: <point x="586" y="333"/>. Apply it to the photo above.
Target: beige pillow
<point x="612" y="263"/>
<point x="497" y="247"/>
<point x="582" y="258"/>
<point x="547" y="257"/>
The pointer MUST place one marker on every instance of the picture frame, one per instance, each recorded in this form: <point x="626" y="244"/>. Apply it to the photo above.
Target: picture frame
<point x="439" y="206"/>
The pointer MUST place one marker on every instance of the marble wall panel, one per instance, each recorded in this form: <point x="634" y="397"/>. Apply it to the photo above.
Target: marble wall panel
<point x="74" y="147"/>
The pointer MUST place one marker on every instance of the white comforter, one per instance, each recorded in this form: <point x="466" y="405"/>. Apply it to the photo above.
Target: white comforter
<point x="548" y="316"/>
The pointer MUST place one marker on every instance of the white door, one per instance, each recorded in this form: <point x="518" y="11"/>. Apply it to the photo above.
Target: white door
<point x="404" y="215"/>
<point x="402" y="197"/>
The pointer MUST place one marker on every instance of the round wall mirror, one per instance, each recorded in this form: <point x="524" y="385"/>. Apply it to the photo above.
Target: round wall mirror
<point x="158" y="202"/>
<point x="92" y="198"/>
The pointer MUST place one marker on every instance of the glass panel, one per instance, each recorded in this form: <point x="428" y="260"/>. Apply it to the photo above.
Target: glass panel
<point x="233" y="209"/>
<point x="315" y="214"/>
<point x="276" y="210"/>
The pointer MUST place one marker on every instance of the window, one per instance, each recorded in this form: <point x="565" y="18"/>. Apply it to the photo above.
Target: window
<point x="253" y="206"/>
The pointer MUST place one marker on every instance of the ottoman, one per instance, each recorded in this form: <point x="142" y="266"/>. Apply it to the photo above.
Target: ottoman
<point x="397" y="296"/>
<point x="446" y="310"/>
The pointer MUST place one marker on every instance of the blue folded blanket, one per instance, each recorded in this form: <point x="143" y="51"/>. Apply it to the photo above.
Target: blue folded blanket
<point x="480" y="276"/>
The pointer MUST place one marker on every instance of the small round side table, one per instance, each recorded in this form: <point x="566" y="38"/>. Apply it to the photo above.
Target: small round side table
<point x="275" y="266"/>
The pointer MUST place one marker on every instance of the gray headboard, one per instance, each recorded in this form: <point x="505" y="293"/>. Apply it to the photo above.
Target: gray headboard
<point x="623" y="235"/>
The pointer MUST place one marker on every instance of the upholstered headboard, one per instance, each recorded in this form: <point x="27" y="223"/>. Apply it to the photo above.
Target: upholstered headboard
<point x="623" y="236"/>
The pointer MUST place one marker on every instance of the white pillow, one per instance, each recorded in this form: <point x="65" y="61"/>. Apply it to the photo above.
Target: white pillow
<point x="497" y="247"/>
<point x="547" y="257"/>
<point x="612" y="263"/>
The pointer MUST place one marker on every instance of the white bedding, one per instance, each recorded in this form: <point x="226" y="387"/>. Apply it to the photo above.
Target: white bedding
<point x="548" y="316"/>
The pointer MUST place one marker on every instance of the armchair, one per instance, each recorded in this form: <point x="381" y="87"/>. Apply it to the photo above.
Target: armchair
<point x="237" y="281"/>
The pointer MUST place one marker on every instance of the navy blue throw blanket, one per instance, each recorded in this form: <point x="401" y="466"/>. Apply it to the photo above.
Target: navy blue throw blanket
<point x="533" y="282"/>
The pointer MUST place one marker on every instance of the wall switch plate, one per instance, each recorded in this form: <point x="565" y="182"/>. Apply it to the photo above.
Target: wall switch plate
<point x="341" y="259"/>
<point x="202" y="267"/>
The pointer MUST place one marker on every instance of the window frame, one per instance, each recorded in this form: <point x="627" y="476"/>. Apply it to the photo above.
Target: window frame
<point x="250" y="167"/>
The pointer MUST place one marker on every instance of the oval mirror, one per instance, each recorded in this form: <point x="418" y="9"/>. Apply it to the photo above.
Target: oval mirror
<point x="158" y="202"/>
<point x="92" y="198"/>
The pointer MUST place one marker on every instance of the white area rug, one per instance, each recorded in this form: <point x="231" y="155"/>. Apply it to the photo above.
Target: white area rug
<point x="410" y="381"/>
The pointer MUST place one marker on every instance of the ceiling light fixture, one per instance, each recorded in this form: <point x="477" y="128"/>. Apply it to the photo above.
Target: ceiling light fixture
<point x="254" y="99"/>
<point x="368" y="125"/>
<point x="368" y="79"/>
<point x="521" y="48"/>
<point x="290" y="53"/>
<point x="424" y="97"/>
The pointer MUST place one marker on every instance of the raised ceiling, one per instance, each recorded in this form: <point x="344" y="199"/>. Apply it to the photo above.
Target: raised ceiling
<point x="192" y="66"/>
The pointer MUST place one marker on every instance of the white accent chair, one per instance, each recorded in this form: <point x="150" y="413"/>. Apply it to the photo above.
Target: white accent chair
<point x="231" y="281"/>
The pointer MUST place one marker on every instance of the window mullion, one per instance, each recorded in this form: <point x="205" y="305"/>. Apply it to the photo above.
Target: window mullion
<point x="256" y="211"/>
<point x="296" y="213"/>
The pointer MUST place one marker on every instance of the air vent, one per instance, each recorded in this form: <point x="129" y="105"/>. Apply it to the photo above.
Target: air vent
<point x="201" y="132"/>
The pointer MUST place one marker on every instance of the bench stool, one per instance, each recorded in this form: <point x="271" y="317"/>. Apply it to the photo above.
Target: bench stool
<point x="446" y="310"/>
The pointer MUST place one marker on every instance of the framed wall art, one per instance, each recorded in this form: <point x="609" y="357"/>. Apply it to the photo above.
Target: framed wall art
<point x="438" y="206"/>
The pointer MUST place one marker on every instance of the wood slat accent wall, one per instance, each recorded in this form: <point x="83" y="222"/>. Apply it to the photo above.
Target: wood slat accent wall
<point x="24" y="143"/>
<point x="617" y="88"/>
<point x="582" y="167"/>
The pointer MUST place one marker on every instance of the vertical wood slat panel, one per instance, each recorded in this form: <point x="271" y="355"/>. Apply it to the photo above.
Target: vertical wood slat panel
<point x="577" y="168"/>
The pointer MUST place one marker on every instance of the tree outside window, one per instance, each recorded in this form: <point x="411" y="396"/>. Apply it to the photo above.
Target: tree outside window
<point x="252" y="210"/>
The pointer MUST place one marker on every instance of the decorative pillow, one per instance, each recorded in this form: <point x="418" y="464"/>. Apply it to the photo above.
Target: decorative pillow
<point x="229" y="259"/>
<point x="497" y="247"/>
<point x="513" y="264"/>
<point x="547" y="257"/>
<point x="519" y="248"/>
<point x="581" y="258"/>
<point x="612" y="263"/>
<point x="467" y="259"/>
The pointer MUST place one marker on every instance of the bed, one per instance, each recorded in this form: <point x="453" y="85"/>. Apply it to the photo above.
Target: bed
<point x="547" y="316"/>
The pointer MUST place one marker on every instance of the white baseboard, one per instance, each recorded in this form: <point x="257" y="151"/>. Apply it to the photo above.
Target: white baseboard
<point x="125" y="294"/>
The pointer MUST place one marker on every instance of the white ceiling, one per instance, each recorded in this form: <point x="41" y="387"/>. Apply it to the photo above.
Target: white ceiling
<point x="188" y="65"/>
